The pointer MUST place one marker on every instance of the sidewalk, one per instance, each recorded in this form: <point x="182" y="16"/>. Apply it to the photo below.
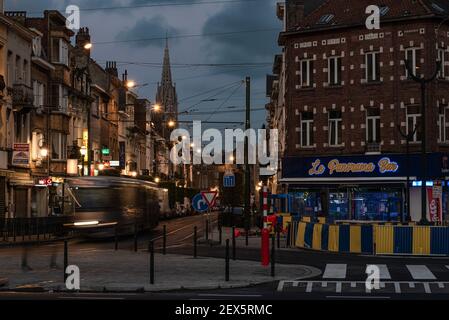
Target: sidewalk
<point x="108" y="270"/>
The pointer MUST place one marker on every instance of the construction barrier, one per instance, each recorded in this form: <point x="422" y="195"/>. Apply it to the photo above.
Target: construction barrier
<point x="385" y="239"/>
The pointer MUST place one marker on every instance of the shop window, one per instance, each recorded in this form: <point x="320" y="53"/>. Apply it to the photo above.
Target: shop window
<point x="339" y="206"/>
<point x="59" y="146"/>
<point x="414" y="121"/>
<point x="334" y="71"/>
<point x="413" y="58"/>
<point x="443" y="133"/>
<point x="307" y="129"/>
<point x="306" y="73"/>
<point x="335" y="128"/>
<point x="373" y="125"/>
<point x="377" y="206"/>
<point x="372" y="62"/>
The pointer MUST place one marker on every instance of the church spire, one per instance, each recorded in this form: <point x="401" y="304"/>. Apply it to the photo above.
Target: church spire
<point x="166" y="68"/>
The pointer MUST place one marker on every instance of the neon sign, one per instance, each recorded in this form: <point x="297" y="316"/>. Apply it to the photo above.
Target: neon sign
<point x="385" y="165"/>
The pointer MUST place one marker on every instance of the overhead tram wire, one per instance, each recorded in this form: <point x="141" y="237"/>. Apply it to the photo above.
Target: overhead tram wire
<point x="173" y="4"/>
<point x="209" y="91"/>
<point x="187" y="36"/>
<point x="225" y="101"/>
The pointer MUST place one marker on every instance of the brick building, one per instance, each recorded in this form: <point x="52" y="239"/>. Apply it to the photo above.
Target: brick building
<point x="348" y="97"/>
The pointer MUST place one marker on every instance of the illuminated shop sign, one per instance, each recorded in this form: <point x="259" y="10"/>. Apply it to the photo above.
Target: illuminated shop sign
<point x="366" y="166"/>
<point x="384" y="165"/>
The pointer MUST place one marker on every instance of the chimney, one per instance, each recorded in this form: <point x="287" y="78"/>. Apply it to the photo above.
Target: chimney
<point x="82" y="37"/>
<point x="111" y="68"/>
<point x="294" y="14"/>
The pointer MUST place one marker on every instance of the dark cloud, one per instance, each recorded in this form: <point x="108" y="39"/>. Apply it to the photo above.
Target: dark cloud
<point x="37" y="6"/>
<point x="244" y="47"/>
<point x="145" y="28"/>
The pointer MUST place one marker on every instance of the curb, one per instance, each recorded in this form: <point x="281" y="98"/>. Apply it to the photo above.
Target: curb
<point x="31" y="242"/>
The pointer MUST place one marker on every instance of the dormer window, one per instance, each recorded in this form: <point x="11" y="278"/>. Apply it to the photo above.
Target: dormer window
<point x="326" y="19"/>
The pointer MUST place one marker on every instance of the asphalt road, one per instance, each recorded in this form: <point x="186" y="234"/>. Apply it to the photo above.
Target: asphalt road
<point x="343" y="275"/>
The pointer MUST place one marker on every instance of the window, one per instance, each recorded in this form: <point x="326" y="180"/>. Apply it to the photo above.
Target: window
<point x="373" y="125"/>
<point x="306" y="78"/>
<point x="17" y="72"/>
<point x="10" y="69"/>
<point x="372" y="62"/>
<point x="25" y="72"/>
<point x="335" y="128"/>
<point x="384" y="10"/>
<point x="59" y="146"/>
<point x="20" y="128"/>
<point x="63" y="101"/>
<point x="39" y="93"/>
<point x="96" y="106"/>
<point x="307" y="129"/>
<point x="325" y="19"/>
<point x="442" y="59"/>
<point x="60" y="51"/>
<point x="334" y="71"/>
<point x="413" y="58"/>
<point x="443" y="129"/>
<point x="414" y="121"/>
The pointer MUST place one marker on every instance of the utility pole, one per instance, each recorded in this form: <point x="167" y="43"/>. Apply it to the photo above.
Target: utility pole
<point x="423" y="83"/>
<point x="247" y="192"/>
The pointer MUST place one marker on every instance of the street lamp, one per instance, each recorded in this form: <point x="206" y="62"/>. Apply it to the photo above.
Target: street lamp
<point x="157" y="180"/>
<point x="171" y="123"/>
<point x="44" y="152"/>
<point x="88" y="46"/>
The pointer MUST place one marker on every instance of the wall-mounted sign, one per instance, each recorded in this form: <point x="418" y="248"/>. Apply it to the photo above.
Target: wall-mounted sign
<point x="384" y="165"/>
<point x="21" y="154"/>
<point x="114" y="163"/>
<point x="364" y="166"/>
<point x="105" y="151"/>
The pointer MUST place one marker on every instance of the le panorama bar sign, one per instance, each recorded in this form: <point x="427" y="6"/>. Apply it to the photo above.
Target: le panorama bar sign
<point x="365" y="166"/>
<point x="335" y="166"/>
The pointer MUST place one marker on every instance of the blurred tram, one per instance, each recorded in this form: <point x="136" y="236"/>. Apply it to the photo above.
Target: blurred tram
<point x="103" y="204"/>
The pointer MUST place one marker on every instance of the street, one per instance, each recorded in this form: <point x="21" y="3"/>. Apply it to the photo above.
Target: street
<point x="340" y="276"/>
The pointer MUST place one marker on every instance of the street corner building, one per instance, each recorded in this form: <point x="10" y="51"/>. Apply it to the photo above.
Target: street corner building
<point x="350" y="114"/>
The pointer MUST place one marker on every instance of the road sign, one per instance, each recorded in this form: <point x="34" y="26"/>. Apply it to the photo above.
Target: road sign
<point x="210" y="197"/>
<point x="199" y="204"/>
<point x="229" y="180"/>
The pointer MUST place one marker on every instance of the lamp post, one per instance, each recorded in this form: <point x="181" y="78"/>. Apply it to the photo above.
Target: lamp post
<point x="423" y="83"/>
<point x="408" y="136"/>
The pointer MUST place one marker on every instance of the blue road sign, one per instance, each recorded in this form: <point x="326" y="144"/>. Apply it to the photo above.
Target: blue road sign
<point x="199" y="203"/>
<point x="229" y="181"/>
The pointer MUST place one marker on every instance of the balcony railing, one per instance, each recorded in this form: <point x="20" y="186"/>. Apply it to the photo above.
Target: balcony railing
<point x="22" y="95"/>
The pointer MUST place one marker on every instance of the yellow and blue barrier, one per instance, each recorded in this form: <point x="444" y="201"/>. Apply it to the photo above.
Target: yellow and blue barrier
<point x="372" y="239"/>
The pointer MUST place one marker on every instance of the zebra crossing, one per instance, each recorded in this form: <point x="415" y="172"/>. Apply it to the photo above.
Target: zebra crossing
<point x="394" y="279"/>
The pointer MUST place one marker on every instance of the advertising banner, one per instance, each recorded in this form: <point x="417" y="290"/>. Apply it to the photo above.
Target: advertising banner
<point x="434" y="199"/>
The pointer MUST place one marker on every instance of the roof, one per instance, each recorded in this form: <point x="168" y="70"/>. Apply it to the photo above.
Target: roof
<point x="333" y="13"/>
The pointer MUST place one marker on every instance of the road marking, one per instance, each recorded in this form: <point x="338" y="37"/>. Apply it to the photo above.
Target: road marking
<point x="338" y="287"/>
<point x="440" y="285"/>
<point x="92" y="298"/>
<point x="397" y="287"/>
<point x="309" y="286"/>
<point x="228" y="295"/>
<point x="420" y="272"/>
<point x="427" y="287"/>
<point x="357" y="297"/>
<point x="383" y="269"/>
<point x="335" y="271"/>
<point x="281" y="285"/>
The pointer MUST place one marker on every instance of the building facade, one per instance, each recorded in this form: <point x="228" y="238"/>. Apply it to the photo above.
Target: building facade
<point x="350" y="101"/>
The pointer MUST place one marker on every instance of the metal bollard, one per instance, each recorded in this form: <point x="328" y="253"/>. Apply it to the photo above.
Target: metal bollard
<point x="116" y="238"/>
<point x="278" y="235"/>
<point x="220" y="234"/>
<point x="247" y="237"/>
<point x="207" y="229"/>
<point x="273" y="256"/>
<point x="151" y="249"/>
<point x="227" y="261"/>
<point x="66" y="258"/>
<point x="164" y="240"/>
<point x="195" y="234"/>
<point x="37" y="229"/>
<point x="233" y="244"/>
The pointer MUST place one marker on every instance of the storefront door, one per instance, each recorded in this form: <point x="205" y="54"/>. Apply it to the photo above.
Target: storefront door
<point x="2" y="198"/>
<point x="21" y="202"/>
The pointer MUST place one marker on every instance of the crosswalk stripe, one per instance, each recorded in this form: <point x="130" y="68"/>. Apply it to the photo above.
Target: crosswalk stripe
<point x="335" y="271"/>
<point x="383" y="269"/>
<point x="420" y="272"/>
